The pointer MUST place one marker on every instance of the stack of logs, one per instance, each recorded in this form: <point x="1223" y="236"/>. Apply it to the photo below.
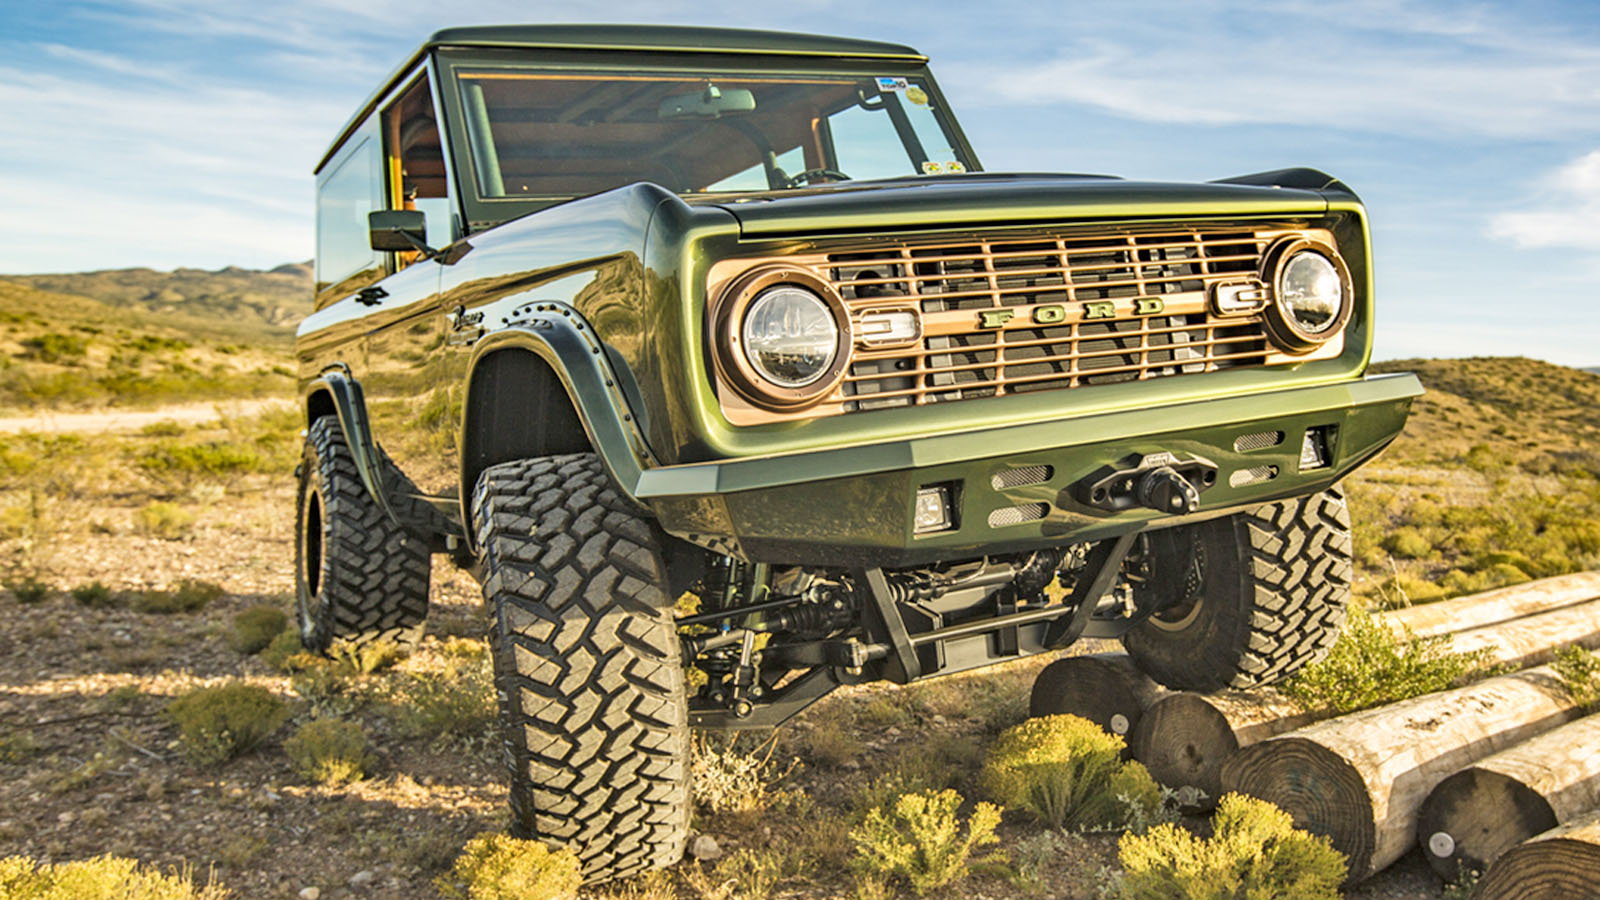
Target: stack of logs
<point x="1502" y="774"/>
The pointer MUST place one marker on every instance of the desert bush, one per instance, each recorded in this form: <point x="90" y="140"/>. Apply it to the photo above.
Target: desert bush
<point x="364" y="659"/>
<point x="454" y="700"/>
<point x="208" y="460"/>
<point x="742" y="875"/>
<point x="255" y="628"/>
<point x="918" y="838"/>
<point x="730" y="775"/>
<point x="189" y="595"/>
<point x="55" y="348"/>
<point x="1370" y="666"/>
<point x="95" y="596"/>
<point x="328" y="751"/>
<point x="215" y="724"/>
<point x="18" y="745"/>
<point x="284" y="652"/>
<point x="1409" y="543"/>
<point x="101" y="878"/>
<point x="1254" y="851"/>
<point x="164" y="520"/>
<point x="28" y="589"/>
<point x="500" y="867"/>
<point x="328" y="688"/>
<point x="1069" y="773"/>
<point x="163" y="428"/>
<point x="1579" y="670"/>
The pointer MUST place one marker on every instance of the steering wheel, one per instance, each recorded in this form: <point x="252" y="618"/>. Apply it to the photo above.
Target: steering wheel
<point x="811" y="175"/>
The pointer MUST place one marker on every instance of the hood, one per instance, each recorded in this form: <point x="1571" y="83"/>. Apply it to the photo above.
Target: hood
<point x="988" y="198"/>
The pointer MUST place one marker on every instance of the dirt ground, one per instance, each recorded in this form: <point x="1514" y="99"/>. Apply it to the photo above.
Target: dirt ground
<point x="91" y="766"/>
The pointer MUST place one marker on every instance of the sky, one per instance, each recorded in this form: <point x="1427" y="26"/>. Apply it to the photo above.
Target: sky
<point x="168" y="133"/>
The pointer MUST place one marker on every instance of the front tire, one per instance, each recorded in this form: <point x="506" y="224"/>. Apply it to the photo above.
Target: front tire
<point x="587" y="665"/>
<point x="1249" y="599"/>
<point x="359" y="577"/>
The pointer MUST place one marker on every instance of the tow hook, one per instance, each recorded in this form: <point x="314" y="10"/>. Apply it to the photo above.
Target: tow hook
<point x="1165" y="482"/>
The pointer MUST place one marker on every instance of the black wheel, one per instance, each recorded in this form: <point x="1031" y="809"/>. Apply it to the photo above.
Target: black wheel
<point x="1247" y="599"/>
<point x="587" y="665"/>
<point x="359" y="578"/>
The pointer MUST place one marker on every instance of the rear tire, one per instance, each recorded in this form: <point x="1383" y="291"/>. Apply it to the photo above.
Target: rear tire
<point x="1259" y="594"/>
<point x="359" y="578"/>
<point x="587" y="665"/>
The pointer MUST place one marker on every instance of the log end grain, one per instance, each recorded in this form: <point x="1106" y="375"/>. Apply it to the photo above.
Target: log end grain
<point x="1324" y="794"/>
<point x="1552" y="869"/>
<point x="1183" y="740"/>
<point x="1105" y="689"/>
<point x="1474" y="816"/>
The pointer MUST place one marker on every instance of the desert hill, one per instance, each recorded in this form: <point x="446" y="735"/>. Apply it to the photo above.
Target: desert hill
<point x="277" y="297"/>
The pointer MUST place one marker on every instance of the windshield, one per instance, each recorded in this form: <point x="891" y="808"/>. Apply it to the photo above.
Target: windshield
<point x="538" y="134"/>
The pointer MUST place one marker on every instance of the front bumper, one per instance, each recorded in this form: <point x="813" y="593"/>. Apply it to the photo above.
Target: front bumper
<point x="854" y="506"/>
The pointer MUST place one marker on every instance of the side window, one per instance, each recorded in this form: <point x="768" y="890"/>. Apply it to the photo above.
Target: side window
<point x="416" y="168"/>
<point x="345" y="195"/>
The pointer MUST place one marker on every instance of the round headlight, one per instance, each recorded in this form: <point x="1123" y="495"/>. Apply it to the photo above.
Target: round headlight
<point x="790" y="336"/>
<point x="1312" y="297"/>
<point x="1311" y="292"/>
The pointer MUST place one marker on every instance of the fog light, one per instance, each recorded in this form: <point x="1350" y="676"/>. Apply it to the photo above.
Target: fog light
<point x="933" y="510"/>
<point x="1314" y="449"/>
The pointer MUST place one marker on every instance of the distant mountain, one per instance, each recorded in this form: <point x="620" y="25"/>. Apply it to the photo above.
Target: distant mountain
<point x="279" y="297"/>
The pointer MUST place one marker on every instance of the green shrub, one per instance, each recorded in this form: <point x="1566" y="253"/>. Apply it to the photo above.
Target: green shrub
<point x="328" y="751"/>
<point x="1254" y="852"/>
<point x="364" y="659"/>
<point x="210" y="460"/>
<point x="101" y="878"/>
<point x="163" y="428"/>
<point x="284" y="652"/>
<point x="215" y="724"/>
<point x="1069" y="773"/>
<point x="1409" y="543"/>
<point x="457" y="702"/>
<point x="1371" y="666"/>
<point x="500" y="867"/>
<point x="1579" y="670"/>
<point x="18" y="745"/>
<point x="28" y="590"/>
<point x="256" y="628"/>
<point x="164" y="520"/>
<point x="95" y="595"/>
<point x="918" y="838"/>
<point x="190" y="595"/>
<point x="55" y="347"/>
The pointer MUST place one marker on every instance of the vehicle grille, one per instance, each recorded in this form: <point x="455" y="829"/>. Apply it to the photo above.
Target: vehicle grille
<point x="1084" y="309"/>
<point x="958" y="360"/>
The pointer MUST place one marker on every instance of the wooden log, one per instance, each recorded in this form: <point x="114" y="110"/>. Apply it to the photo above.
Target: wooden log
<point x="1360" y="778"/>
<point x="1499" y="605"/>
<point x="1184" y="738"/>
<point x="1482" y="811"/>
<point x="1105" y="688"/>
<point x="1561" y="864"/>
<point x="1532" y="640"/>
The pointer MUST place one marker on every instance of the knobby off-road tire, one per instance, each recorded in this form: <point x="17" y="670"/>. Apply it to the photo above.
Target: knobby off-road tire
<point x="587" y="665"/>
<point x="1263" y="592"/>
<point x="359" y="578"/>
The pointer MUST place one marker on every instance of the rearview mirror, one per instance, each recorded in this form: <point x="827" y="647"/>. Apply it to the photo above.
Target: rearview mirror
<point x="398" y="229"/>
<point x="711" y="103"/>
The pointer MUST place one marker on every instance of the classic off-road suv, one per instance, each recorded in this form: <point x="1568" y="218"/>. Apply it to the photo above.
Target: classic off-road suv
<point x="720" y="360"/>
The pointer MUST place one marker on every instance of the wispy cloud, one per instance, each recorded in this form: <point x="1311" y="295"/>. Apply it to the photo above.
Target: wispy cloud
<point x="1394" y="67"/>
<point x="1566" y="212"/>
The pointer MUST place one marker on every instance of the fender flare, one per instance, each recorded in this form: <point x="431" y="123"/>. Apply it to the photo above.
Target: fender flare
<point x="350" y="407"/>
<point x="559" y="336"/>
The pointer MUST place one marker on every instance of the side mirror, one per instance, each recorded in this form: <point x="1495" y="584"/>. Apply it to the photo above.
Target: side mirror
<point x="711" y="103"/>
<point x="398" y="229"/>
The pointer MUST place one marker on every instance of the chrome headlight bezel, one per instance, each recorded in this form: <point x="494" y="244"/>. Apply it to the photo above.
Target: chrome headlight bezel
<point x="1285" y="329"/>
<point x="733" y="357"/>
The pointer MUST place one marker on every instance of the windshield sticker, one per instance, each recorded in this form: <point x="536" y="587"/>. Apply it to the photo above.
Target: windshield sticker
<point x="931" y="168"/>
<point x="954" y="167"/>
<point x="892" y="84"/>
<point x="917" y="95"/>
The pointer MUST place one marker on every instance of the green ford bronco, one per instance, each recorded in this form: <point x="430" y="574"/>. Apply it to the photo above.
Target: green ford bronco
<point x="728" y="370"/>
